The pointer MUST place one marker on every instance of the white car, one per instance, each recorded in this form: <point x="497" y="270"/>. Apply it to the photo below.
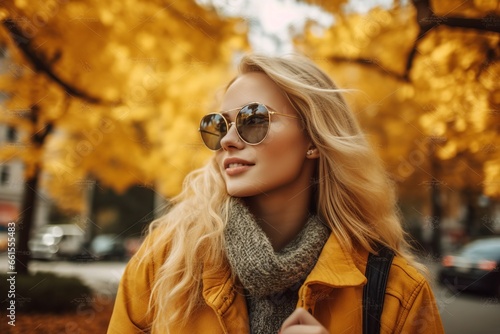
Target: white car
<point x="51" y="242"/>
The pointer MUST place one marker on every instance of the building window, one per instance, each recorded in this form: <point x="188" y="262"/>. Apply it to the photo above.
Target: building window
<point x="4" y="175"/>
<point x="11" y="134"/>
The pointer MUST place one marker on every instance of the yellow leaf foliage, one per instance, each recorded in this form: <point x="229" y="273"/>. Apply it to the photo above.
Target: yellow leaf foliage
<point x="445" y="107"/>
<point x="144" y="73"/>
<point x="492" y="179"/>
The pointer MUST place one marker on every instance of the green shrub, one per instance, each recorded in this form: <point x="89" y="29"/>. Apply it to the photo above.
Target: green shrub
<point x="45" y="292"/>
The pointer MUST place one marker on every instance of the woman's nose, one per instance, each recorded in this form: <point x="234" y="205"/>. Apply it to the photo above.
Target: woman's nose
<point x="231" y="139"/>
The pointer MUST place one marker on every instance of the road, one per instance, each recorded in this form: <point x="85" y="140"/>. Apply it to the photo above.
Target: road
<point x="468" y="313"/>
<point x="465" y="312"/>
<point x="462" y="313"/>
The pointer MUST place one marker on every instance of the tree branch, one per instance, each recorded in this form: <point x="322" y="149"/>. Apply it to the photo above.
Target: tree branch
<point x="370" y="62"/>
<point x="427" y="21"/>
<point x="24" y="44"/>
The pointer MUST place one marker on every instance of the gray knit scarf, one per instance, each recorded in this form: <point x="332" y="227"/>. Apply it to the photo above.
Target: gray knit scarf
<point x="271" y="279"/>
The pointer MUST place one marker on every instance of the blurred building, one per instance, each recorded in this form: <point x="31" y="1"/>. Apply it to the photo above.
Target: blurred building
<point x="12" y="184"/>
<point x="12" y="170"/>
<point x="11" y="174"/>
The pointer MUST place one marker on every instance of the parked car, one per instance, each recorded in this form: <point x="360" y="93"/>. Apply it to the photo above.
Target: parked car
<point x="51" y="242"/>
<point x="476" y="267"/>
<point x="108" y="247"/>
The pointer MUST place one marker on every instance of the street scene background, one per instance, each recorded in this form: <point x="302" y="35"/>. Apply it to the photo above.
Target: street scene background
<point x="99" y="109"/>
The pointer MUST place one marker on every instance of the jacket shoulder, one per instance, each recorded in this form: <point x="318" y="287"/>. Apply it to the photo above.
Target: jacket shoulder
<point x="131" y="310"/>
<point x="409" y="306"/>
<point x="404" y="281"/>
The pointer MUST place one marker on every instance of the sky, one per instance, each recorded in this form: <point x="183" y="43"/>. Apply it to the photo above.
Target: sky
<point x="272" y="22"/>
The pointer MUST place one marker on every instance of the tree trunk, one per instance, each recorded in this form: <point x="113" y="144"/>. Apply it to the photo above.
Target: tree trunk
<point x="436" y="205"/>
<point x="470" y="219"/>
<point x="26" y="217"/>
<point x="25" y="223"/>
<point x="437" y="215"/>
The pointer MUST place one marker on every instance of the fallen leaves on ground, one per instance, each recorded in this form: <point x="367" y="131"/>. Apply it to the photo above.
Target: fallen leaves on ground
<point x="94" y="319"/>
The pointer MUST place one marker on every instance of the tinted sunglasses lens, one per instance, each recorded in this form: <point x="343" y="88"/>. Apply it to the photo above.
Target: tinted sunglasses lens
<point x="212" y="128"/>
<point x="252" y="123"/>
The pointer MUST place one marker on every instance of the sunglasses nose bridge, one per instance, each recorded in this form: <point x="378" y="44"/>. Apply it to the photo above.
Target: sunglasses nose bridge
<point x="230" y="126"/>
<point x="229" y="137"/>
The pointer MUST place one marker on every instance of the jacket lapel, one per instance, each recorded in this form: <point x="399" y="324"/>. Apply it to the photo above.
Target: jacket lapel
<point x="335" y="268"/>
<point x="228" y="302"/>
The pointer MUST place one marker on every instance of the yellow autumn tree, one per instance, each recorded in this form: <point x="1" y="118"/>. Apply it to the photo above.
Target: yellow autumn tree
<point x="436" y="74"/>
<point x="429" y="94"/>
<point x="110" y="90"/>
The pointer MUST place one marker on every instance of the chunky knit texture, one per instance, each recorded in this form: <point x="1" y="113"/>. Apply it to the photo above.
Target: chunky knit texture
<point x="271" y="279"/>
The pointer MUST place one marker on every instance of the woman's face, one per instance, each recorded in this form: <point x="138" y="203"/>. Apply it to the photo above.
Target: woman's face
<point x="277" y="165"/>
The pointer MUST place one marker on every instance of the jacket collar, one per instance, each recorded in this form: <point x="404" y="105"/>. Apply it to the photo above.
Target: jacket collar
<point x="335" y="267"/>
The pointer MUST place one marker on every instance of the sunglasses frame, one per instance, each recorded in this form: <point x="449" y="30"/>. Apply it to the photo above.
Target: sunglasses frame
<point x="270" y="111"/>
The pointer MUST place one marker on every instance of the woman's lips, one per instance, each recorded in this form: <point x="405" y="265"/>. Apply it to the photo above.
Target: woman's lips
<point x="235" y="166"/>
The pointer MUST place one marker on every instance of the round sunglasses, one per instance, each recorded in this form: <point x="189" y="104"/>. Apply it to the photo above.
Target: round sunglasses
<point x="252" y="125"/>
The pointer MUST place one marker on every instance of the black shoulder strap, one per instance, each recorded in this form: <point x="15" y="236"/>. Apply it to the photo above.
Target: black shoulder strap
<point x="377" y="273"/>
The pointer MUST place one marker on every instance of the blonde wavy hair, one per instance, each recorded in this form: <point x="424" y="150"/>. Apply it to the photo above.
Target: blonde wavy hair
<point x="354" y="195"/>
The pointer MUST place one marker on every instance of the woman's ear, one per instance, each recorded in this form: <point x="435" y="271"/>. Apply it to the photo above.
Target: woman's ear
<point x="312" y="153"/>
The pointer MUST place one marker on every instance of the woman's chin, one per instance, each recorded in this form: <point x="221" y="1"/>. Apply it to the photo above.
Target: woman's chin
<point x="241" y="191"/>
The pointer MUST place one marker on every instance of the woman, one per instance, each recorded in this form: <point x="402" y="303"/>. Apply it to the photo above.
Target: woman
<point x="274" y="233"/>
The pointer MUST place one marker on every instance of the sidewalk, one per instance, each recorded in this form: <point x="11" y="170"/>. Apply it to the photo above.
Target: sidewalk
<point x="102" y="277"/>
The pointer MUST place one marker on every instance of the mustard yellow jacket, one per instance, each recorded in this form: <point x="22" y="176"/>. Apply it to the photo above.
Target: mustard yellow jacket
<point x="332" y="293"/>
